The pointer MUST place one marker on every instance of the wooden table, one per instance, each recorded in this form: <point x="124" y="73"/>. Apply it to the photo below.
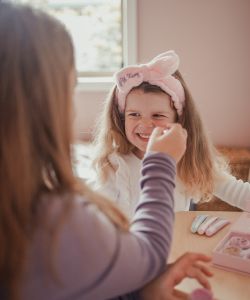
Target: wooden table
<point x="226" y="285"/>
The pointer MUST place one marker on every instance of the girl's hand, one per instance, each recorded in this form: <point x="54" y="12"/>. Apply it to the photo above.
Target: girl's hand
<point x="188" y="265"/>
<point x="171" y="141"/>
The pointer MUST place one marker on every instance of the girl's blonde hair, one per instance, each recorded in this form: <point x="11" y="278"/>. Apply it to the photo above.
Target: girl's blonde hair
<point x="200" y="163"/>
<point x="36" y="61"/>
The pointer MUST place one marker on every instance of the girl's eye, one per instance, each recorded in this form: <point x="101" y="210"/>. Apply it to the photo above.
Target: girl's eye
<point x="134" y="115"/>
<point x="159" y="116"/>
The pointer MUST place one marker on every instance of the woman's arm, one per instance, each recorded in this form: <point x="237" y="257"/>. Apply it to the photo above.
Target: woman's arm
<point x="96" y="260"/>
<point x="135" y="257"/>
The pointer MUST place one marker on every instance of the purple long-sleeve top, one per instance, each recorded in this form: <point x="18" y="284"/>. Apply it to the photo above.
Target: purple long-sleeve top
<point x="93" y="259"/>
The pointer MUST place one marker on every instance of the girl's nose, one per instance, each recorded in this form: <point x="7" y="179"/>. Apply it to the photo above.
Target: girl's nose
<point x="146" y="125"/>
<point x="147" y="122"/>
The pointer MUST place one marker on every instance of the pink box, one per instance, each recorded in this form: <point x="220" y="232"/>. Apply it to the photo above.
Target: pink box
<point x="233" y="251"/>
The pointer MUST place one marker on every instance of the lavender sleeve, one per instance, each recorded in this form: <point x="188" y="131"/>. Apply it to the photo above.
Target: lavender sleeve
<point x="95" y="259"/>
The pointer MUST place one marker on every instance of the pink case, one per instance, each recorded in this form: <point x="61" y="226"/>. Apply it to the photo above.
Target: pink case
<point x="233" y="251"/>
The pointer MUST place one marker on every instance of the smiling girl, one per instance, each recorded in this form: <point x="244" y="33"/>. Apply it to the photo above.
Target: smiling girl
<point x="148" y="96"/>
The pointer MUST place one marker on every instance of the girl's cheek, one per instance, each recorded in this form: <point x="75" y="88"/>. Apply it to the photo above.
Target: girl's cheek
<point x="160" y="123"/>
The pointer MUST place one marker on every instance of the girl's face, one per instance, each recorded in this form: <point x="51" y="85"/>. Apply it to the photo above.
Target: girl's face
<point x="143" y="112"/>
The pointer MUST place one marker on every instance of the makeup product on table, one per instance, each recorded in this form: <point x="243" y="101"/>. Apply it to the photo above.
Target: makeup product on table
<point x="218" y="224"/>
<point x="233" y="251"/>
<point x="201" y="293"/>
<point x="204" y="226"/>
<point x="208" y="225"/>
<point x="197" y="222"/>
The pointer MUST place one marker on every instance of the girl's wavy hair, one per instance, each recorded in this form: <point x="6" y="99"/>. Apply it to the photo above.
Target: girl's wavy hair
<point x="36" y="60"/>
<point x="198" y="167"/>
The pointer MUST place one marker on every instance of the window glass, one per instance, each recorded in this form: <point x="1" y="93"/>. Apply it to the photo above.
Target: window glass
<point x="96" y="29"/>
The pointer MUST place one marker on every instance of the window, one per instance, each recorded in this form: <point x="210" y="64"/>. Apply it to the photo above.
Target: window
<point x="103" y="33"/>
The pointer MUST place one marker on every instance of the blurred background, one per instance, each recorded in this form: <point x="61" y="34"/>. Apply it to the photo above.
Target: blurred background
<point x="212" y="39"/>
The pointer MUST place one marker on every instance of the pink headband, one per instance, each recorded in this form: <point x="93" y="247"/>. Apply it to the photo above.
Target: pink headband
<point x="157" y="72"/>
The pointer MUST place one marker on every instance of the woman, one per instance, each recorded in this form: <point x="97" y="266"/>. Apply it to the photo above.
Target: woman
<point x="59" y="240"/>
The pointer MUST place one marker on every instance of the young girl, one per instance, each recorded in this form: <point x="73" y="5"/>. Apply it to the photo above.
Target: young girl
<point x="146" y="96"/>
<point x="58" y="239"/>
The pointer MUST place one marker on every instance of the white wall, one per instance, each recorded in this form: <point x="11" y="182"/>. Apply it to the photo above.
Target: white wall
<point x="213" y="41"/>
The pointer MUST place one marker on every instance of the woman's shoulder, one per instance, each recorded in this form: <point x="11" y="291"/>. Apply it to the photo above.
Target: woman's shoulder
<point x="75" y="207"/>
<point x="78" y="216"/>
<point x="89" y="230"/>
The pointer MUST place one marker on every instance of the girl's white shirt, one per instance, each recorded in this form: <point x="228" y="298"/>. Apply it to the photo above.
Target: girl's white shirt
<point x="123" y="187"/>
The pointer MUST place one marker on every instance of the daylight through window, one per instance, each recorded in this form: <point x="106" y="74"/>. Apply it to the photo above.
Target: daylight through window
<point x="96" y="29"/>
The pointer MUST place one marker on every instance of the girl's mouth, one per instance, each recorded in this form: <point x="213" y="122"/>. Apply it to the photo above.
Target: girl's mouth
<point x="143" y="136"/>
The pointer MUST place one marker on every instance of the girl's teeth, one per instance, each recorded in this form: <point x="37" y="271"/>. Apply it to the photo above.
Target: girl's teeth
<point x="146" y="136"/>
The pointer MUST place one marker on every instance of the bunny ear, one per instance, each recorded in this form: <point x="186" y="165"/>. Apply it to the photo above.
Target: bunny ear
<point x="166" y="63"/>
<point x="165" y="54"/>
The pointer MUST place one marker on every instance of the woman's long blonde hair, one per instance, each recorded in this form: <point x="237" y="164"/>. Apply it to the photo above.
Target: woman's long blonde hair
<point x="200" y="163"/>
<point x="36" y="60"/>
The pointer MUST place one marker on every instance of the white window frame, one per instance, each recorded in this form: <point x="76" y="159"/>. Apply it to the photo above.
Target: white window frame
<point x="129" y="49"/>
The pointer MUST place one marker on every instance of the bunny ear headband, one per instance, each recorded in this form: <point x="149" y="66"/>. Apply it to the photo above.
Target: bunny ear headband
<point x="157" y="72"/>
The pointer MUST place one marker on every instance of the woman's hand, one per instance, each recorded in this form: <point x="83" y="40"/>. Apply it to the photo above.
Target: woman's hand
<point x="188" y="265"/>
<point x="171" y="141"/>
